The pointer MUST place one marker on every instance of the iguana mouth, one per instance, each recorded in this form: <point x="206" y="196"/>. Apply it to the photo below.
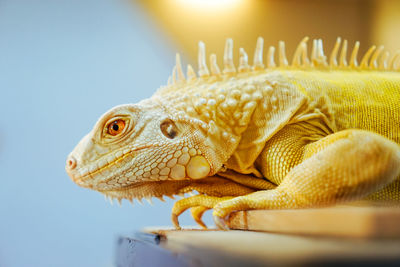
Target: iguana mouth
<point x="88" y="173"/>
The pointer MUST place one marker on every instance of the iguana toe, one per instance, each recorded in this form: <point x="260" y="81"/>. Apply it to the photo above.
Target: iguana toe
<point x="197" y="214"/>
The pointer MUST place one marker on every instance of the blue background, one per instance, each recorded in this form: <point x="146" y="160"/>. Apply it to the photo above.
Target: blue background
<point x="63" y="64"/>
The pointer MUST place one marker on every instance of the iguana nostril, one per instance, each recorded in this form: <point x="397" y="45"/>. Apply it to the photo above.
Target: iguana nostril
<point x="71" y="163"/>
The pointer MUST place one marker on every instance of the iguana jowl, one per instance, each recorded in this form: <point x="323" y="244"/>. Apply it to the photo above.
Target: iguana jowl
<point x="311" y="133"/>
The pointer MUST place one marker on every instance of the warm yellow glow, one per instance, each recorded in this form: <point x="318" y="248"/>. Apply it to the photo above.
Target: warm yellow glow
<point x="210" y="3"/>
<point x="212" y="21"/>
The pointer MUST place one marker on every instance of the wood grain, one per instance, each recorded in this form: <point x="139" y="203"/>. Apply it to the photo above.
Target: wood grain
<point x="344" y="221"/>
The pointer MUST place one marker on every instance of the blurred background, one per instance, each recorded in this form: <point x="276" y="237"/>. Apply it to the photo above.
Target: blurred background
<point x="64" y="63"/>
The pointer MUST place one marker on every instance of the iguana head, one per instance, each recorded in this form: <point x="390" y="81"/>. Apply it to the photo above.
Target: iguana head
<point x="137" y="144"/>
<point x="186" y="131"/>
<point x="160" y="145"/>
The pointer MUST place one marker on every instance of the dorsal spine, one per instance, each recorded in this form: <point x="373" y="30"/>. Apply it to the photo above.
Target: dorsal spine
<point x="373" y="59"/>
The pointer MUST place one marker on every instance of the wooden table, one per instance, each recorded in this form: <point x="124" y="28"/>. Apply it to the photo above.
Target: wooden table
<point x="342" y="235"/>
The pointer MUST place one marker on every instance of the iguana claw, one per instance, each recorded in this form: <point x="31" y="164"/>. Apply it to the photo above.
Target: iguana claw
<point x="220" y="223"/>
<point x="197" y="214"/>
<point x="175" y="221"/>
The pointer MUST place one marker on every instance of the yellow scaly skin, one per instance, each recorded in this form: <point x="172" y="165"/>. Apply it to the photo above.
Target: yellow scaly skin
<point x="303" y="135"/>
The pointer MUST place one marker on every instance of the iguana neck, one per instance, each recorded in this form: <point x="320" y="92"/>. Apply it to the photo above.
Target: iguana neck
<point x="223" y="109"/>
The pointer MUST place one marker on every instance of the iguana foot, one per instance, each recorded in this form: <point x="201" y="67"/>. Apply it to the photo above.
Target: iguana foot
<point x="199" y="204"/>
<point x="221" y="212"/>
<point x="265" y="199"/>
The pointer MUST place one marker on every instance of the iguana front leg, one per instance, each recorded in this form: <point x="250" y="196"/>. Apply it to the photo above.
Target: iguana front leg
<point x="212" y="190"/>
<point x="343" y="166"/>
<point x="199" y="203"/>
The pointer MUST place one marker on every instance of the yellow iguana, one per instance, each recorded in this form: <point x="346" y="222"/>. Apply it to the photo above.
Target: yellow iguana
<point x="315" y="132"/>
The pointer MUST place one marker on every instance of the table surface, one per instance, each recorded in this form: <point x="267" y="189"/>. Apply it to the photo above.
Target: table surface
<point x="329" y="236"/>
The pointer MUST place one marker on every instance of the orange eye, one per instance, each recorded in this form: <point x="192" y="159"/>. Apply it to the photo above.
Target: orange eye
<point x="116" y="127"/>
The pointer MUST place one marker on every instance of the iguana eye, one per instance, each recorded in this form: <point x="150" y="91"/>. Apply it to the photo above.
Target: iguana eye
<point x="168" y="128"/>
<point x="115" y="127"/>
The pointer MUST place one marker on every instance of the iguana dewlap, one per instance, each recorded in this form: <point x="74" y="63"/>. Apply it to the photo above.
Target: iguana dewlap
<point x="315" y="132"/>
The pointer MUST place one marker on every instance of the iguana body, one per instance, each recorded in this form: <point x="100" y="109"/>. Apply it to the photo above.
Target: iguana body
<point x="294" y="136"/>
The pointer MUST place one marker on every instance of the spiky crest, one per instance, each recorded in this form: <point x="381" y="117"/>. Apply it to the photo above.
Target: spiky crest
<point x="373" y="59"/>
